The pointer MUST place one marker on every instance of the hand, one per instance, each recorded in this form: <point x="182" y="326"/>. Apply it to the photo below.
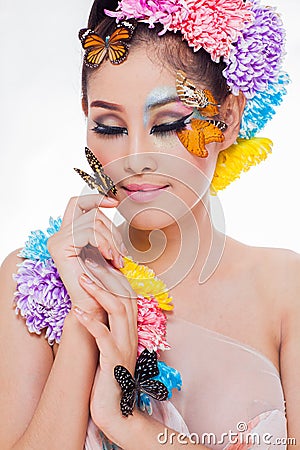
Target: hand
<point x="85" y="230"/>
<point x="117" y="342"/>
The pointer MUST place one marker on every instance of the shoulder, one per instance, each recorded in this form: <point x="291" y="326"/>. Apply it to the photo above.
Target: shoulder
<point x="276" y="270"/>
<point x="9" y="267"/>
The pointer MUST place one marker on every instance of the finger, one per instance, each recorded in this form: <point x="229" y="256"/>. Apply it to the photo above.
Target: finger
<point x="79" y="205"/>
<point x="116" y="283"/>
<point x="96" y="220"/>
<point x="119" y="316"/>
<point x="84" y="233"/>
<point x="99" y="330"/>
<point x="115" y="233"/>
<point x="112" y="279"/>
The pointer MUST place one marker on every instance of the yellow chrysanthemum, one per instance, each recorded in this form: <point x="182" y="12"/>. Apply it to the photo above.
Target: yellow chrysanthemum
<point x="143" y="281"/>
<point x="239" y="158"/>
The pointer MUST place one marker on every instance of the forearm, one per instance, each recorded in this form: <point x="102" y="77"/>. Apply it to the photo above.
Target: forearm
<point x="142" y="431"/>
<point x="60" y="420"/>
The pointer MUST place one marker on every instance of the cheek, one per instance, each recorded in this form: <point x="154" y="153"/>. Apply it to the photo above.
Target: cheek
<point x="104" y="149"/>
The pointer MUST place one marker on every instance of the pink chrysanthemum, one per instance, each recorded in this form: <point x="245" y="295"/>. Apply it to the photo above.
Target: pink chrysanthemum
<point x="149" y="11"/>
<point x="212" y="24"/>
<point x="152" y="324"/>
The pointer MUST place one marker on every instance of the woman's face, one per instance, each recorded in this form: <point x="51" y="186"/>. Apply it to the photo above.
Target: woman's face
<point x="133" y="115"/>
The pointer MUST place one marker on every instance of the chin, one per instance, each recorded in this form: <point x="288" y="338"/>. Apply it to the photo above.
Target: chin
<point x="150" y="219"/>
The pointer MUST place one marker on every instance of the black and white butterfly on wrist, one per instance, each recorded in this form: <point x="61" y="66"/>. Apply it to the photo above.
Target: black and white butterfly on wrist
<point x="145" y="370"/>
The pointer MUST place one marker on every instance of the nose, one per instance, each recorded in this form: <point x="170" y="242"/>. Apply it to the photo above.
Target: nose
<point x="138" y="159"/>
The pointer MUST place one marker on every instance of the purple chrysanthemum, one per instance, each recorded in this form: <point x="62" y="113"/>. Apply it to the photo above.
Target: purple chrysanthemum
<point x="41" y="298"/>
<point x="256" y="58"/>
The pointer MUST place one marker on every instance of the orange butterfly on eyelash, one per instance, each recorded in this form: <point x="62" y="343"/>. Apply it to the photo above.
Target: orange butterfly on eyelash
<point x="202" y="99"/>
<point x="114" y="47"/>
<point x="202" y="132"/>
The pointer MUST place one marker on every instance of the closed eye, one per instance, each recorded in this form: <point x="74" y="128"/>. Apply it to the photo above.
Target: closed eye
<point x="171" y="127"/>
<point x="108" y="130"/>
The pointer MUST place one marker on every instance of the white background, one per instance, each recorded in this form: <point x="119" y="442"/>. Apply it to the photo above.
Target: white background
<point x="42" y="131"/>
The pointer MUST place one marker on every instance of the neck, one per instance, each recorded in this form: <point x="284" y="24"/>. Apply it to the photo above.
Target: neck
<point x="191" y="247"/>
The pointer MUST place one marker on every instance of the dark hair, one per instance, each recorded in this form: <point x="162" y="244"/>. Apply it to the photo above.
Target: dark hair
<point x="166" y="49"/>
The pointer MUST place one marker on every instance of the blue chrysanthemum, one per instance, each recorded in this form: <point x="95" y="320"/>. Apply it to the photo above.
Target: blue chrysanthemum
<point x="170" y="377"/>
<point x="261" y="108"/>
<point x="36" y="246"/>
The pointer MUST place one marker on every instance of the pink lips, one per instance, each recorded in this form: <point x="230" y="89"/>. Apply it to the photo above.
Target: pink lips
<point x="143" y="192"/>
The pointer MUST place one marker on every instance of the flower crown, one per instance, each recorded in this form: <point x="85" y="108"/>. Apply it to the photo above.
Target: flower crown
<point x="249" y="37"/>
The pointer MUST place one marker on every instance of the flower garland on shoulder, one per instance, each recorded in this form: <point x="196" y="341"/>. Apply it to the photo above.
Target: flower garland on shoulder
<point x="43" y="301"/>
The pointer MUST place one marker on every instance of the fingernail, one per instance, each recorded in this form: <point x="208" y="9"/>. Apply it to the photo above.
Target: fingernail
<point x="86" y="279"/>
<point x="78" y="310"/>
<point x="124" y="249"/>
<point x="111" y="256"/>
<point x="121" y="262"/>
<point x="111" y="200"/>
<point x="91" y="263"/>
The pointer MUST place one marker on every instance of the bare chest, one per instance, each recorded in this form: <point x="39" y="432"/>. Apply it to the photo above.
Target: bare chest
<point x="238" y="308"/>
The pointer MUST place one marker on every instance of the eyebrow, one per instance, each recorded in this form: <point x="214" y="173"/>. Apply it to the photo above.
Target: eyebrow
<point x="162" y="102"/>
<point x="106" y="105"/>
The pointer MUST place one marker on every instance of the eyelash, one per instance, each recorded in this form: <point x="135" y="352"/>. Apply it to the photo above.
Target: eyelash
<point x="162" y="130"/>
<point x="109" y="131"/>
<point x="171" y="127"/>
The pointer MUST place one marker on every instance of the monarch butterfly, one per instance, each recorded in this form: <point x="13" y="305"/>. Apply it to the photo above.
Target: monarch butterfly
<point x="115" y="47"/>
<point x="202" y="132"/>
<point x="100" y="181"/>
<point x="146" y="368"/>
<point x="196" y="98"/>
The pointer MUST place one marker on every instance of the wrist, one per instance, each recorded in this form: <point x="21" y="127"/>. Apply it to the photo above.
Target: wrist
<point x="138" y="429"/>
<point x="75" y="331"/>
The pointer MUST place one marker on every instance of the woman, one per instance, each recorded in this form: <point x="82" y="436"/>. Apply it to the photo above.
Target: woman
<point x="234" y="329"/>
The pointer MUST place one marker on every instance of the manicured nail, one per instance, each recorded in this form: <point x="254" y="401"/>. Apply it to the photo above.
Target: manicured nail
<point x="111" y="200"/>
<point x="124" y="249"/>
<point x="91" y="263"/>
<point x="121" y="262"/>
<point x="78" y="311"/>
<point x="85" y="279"/>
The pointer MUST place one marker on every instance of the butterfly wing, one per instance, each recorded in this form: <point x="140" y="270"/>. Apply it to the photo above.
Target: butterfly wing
<point x="155" y="389"/>
<point x="219" y="124"/>
<point x="186" y="91"/>
<point x="117" y="43"/>
<point x="211" y="109"/>
<point x="124" y="378"/>
<point x="128" y="387"/>
<point x="193" y="139"/>
<point x="127" y="403"/>
<point x="103" y="181"/>
<point x="94" y="46"/>
<point x="201" y="99"/>
<point x="210" y="131"/>
<point x="146" y="366"/>
<point x="118" y="52"/>
<point x="90" y="181"/>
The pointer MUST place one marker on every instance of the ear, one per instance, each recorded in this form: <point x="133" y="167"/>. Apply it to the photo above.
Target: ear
<point x="84" y="106"/>
<point x="231" y="113"/>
